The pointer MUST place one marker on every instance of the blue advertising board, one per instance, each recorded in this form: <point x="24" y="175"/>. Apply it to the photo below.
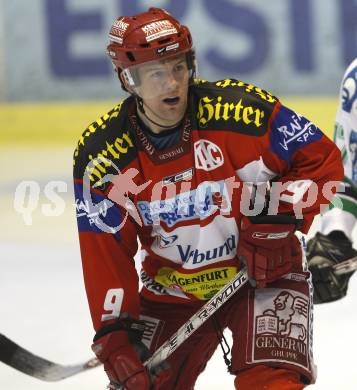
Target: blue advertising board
<point x="55" y="49"/>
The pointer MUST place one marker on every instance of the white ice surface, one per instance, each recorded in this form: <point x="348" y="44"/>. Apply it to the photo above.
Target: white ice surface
<point x="43" y="305"/>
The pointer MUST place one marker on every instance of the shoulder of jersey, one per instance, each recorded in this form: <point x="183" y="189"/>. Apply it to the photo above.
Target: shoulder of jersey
<point x="233" y="105"/>
<point x="105" y="146"/>
<point x="351" y="66"/>
<point x="348" y="91"/>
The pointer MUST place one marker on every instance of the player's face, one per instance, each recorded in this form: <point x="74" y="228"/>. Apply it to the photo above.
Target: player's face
<point x="164" y="86"/>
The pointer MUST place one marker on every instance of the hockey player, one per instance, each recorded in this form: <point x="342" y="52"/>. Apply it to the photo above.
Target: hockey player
<point x="334" y="243"/>
<point x="175" y="165"/>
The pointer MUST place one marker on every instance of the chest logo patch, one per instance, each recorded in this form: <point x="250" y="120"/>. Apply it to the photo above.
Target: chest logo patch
<point x="208" y="155"/>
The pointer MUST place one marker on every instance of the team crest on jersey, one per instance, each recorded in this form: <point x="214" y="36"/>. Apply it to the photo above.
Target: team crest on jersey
<point x="281" y="327"/>
<point x="208" y="155"/>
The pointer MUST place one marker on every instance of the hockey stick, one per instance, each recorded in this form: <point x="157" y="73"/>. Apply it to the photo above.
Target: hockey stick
<point x="345" y="267"/>
<point x="22" y="360"/>
<point x="189" y="327"/>
<point x="197" y="319"/>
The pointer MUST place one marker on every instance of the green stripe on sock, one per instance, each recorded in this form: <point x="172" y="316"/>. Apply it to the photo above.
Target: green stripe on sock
<point x="347" y="205"/>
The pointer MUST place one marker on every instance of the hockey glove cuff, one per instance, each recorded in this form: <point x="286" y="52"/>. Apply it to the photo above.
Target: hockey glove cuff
<point x="118" y="346"/>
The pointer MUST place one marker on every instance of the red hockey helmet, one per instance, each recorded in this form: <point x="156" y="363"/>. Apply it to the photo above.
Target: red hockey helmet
<point x="148" y="36"/>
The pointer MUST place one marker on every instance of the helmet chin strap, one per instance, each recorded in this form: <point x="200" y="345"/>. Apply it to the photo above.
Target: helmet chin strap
<point x="140" y="103"/>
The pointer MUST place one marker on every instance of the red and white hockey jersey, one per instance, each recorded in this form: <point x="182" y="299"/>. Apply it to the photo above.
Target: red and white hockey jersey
<point x="184" y="203"/>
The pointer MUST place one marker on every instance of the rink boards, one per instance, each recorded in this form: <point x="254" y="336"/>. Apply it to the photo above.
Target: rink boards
<point x="62" y="123"/>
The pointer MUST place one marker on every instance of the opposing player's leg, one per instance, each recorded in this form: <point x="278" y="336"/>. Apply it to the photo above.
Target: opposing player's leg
<point x="190" y="359"/>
